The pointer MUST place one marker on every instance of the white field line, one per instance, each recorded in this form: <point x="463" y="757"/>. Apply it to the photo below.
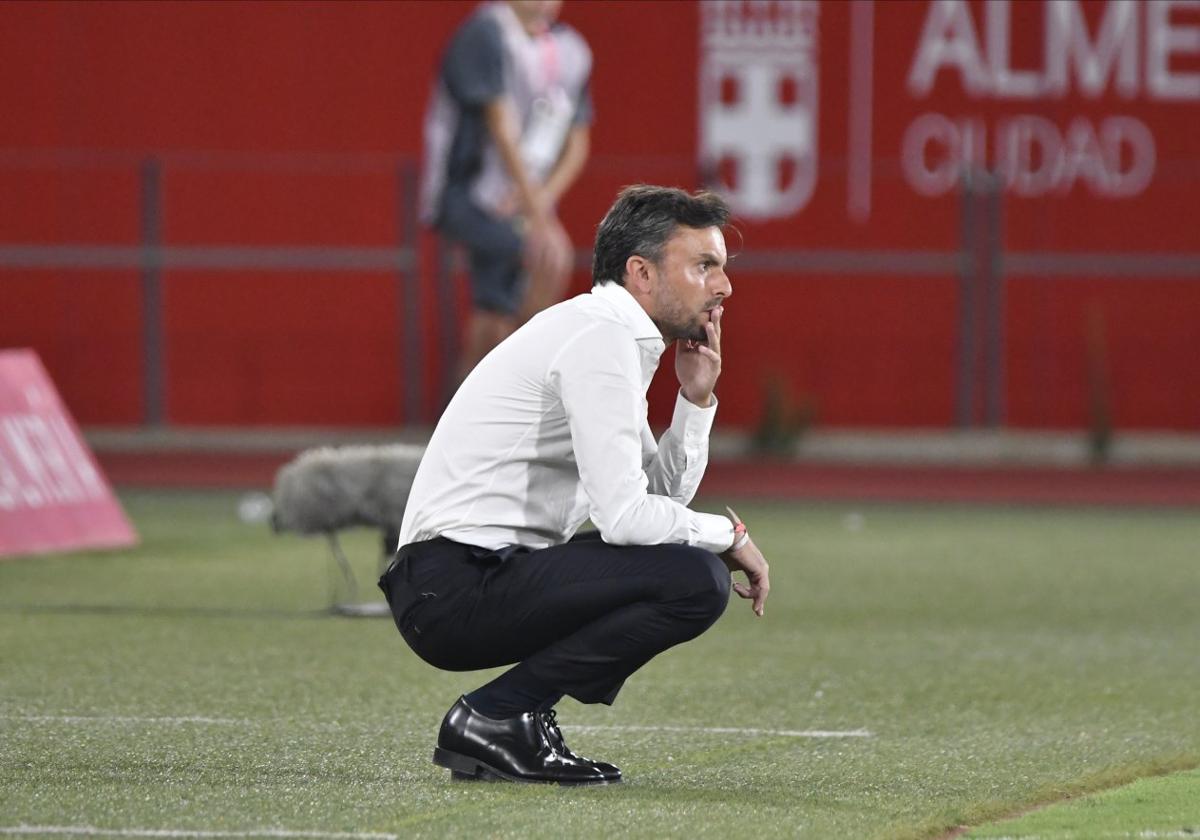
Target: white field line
<point x="729" y="730"/>
<point x="94" y="831"/>
<point x="700" y="730"/>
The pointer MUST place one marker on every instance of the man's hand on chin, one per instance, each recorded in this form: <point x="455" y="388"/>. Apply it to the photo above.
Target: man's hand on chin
<point x="698" y="364"/>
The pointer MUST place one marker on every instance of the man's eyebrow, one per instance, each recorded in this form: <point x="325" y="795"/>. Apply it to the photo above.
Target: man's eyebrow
<point x="711" y="257"/>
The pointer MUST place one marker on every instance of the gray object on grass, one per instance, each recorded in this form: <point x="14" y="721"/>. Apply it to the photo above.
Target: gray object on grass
<point x="328" y="489"/>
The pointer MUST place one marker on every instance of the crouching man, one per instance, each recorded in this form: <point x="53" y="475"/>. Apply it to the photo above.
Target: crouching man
<point x="549" y="430"/>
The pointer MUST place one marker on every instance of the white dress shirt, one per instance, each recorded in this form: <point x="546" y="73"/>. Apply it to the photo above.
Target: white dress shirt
<point x="550" y="429"/>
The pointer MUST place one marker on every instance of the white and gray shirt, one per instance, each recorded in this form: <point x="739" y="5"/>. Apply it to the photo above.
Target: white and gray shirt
<point x="551" y="429"/>
<point x="545" y="77"/>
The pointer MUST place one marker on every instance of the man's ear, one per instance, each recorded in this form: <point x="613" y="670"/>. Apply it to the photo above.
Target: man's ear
<point x="639" y="275"/>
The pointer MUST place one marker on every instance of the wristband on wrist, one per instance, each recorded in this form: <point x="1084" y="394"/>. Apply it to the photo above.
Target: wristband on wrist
<point x="740" y="535"/>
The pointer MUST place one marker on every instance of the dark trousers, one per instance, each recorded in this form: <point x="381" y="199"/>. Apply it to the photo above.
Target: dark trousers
<point x="578" y="618"/>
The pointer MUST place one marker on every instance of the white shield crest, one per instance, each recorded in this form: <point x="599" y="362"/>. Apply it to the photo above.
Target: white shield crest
<point x="758" y="103"/>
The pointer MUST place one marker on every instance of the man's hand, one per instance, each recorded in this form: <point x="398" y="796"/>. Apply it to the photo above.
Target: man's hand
<point x="547" y="246"/>
<point x="698" y="364"/>
<point x="749" y="559"/>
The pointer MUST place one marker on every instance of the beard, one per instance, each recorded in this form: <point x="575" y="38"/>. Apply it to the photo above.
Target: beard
<point x="678" y="326"/>
<point x="676" y="323"/>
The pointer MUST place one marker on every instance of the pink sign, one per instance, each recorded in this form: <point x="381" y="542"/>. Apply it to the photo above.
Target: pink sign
<point x="52" y="495"/>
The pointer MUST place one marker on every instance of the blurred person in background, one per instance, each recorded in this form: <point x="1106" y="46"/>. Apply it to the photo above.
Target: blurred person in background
<point x="551" y="430"/>
<point x="506" y="134"/>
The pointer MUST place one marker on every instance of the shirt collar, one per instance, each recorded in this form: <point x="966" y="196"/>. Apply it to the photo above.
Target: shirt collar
<point x="507" y="17"/>
<point x="650" y="342"/>
<point x="629" y="310"/>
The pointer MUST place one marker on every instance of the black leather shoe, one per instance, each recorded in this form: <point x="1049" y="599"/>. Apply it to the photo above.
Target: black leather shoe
<point x="474" y="746"/>
<point x="549" y="721"/>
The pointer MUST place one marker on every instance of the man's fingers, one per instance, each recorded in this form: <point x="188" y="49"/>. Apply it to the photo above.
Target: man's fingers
<point x="760" y="598"/>
<point x="742" y="590"/>
<point x="708" y="352"/>
<point x="714" y="335"/>
<point x="761" y="586"/>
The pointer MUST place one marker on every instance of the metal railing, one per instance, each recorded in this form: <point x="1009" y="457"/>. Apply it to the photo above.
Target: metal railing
<point x="979" y="264"/>
<point x="153" y="255"/>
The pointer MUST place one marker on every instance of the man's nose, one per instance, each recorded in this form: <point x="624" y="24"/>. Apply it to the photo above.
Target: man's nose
<point x="723" y="288"/>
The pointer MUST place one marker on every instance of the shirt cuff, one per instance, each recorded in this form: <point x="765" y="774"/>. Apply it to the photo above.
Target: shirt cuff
<point x="691" y="423"/>
<point x="711" y="531"/>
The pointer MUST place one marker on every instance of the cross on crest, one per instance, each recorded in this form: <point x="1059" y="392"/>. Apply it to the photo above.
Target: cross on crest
<point x="758" y="103"/>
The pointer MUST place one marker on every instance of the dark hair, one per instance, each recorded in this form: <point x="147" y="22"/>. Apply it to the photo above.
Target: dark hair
<point x="641" y="221"/>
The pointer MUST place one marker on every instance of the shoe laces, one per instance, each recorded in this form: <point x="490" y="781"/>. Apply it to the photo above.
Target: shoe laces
<point x="549" y="720"/>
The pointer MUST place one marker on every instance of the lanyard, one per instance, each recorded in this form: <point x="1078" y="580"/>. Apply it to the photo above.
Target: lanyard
<point x="548" y="59"/>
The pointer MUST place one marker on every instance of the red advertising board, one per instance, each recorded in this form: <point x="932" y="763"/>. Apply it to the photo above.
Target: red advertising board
<point x="851" y="124"/>
<point x="53" y="497"/>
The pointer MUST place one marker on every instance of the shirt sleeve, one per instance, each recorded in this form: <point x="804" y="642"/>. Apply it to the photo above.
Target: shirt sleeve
<point x="473" y="66"/>
<point x="676" y="466"/>
<point x="598" y="380"/>
<point x="585" y="113"/>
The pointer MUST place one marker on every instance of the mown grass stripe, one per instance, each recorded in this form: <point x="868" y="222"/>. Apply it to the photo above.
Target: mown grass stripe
<point x="1148" y="834"/>
<point x="125" y="719"/>
<point x="93" y="831"/>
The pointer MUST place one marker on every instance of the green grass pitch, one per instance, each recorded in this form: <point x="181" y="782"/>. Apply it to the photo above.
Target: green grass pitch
<point x="999" y="658"/>
<point x="1147" y="809"/>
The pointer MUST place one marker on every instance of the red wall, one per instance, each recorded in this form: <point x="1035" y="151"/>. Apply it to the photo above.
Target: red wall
<point x="221" y="90"/>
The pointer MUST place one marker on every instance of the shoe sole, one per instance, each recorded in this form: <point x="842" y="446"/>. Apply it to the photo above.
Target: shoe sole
<point x="465" y="769"/>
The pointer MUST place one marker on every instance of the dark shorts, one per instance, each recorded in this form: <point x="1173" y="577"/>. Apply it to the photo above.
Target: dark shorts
<point x="495" y="251"/>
